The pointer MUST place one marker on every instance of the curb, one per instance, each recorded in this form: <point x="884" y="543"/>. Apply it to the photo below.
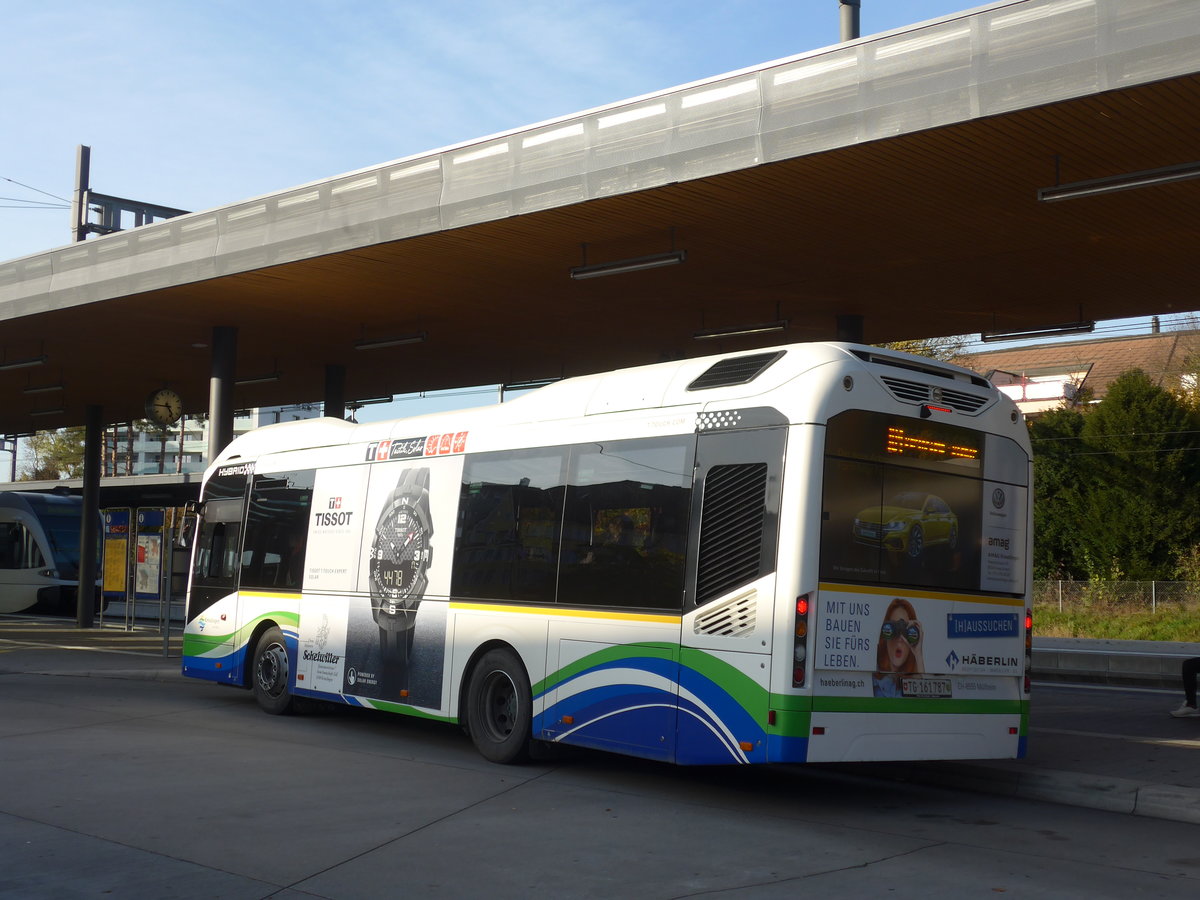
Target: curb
<point x="1120" y="795"/>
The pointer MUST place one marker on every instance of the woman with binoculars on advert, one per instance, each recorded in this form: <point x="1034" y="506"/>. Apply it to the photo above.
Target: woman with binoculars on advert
<point x="899" y="650"/>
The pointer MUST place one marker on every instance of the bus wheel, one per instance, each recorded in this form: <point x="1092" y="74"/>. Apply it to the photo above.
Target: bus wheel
<point x="499" y="704"/>
<point x="270" y="674"/>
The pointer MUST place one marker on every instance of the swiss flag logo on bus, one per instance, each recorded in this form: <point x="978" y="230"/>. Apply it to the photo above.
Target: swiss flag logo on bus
<point x="335" y="502"/>
<point x="381" y="452"/>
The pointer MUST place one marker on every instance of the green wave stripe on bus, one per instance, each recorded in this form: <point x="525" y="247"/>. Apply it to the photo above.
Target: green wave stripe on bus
<point x="736" y="684"/>
<point x="741" y="687"/>
<point x="920" y="705"/>
<point x="615" y="653"/>
<point x="406" y="710"/>
<point x="206" y="645"/>
<point x="224" y="644"/>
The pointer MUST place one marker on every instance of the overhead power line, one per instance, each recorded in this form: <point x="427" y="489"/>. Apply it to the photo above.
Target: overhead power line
<point x="35" y="190"/>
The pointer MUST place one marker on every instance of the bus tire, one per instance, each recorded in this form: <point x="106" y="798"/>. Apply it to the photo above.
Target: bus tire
<point x="271" y="673"/>
<point x="499" y="707"/>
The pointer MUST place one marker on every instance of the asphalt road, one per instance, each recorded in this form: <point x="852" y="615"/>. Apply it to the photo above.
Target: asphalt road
<point x="126" y="780"/>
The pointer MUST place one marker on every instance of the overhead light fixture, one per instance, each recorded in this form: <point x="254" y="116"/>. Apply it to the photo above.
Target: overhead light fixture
<point x="740" y="330"/>
<point x="636" y="264"/>
<point x="991" y="337"/>
<point x="530" y="385"/>
<point x="355" y="404"/>
<point x="43" y="389"/>
<point x="379" y="343"/>
<point x="47" y="412"/>
<point x="22" y="363"/>
<point x="1114" y="183"/>
<point x="259" y="379"/>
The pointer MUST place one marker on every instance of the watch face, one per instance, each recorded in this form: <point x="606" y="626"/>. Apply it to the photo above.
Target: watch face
<point x="399" y="553"/>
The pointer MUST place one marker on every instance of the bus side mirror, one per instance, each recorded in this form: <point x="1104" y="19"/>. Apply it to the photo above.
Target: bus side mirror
<point x="185" y="533"/>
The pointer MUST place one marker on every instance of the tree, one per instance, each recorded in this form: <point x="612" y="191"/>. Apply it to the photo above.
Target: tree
<point x="1137" y="463"/>
<point x="1060" y="479"/>
<point x="947" y="349"/>
<point x="56" y="455"/>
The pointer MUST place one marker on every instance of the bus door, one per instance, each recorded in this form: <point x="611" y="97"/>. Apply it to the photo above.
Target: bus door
<point x="727" y="625"/>
<point x="613" y="642"/>
<point x="211" y="633"/>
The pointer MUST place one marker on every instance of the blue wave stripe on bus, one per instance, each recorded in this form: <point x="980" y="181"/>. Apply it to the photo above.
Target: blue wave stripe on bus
<point x="664" y="668"/>
<point x="215" y="667"/>
<point x="605" y="712"/>
<point x="783" y="749"/>
<point x="647" y="723"/>
<point x="637" y="732"/>
<point x="723" y="705"/>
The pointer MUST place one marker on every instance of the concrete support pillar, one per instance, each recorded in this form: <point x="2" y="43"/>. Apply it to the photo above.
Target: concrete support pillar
<point x="89" y="528"/>
<point x="850" y="19"/>
<point x="220" y="390"/>
<point x="335" y="391"/>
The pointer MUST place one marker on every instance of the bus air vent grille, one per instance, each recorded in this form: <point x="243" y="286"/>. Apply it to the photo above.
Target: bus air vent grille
<point x="732" y="523"/>
<point x="914" y="392"/>
<point x="736" y="370"/>
<point x="735" y="617"/>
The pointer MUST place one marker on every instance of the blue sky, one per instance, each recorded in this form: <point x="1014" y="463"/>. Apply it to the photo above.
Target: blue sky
<point x="198" y="104"/>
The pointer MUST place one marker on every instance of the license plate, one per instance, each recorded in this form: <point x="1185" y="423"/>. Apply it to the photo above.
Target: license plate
<point x="925" y="687"/>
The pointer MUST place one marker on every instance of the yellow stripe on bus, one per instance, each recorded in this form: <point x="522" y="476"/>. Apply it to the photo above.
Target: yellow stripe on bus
<point x="924" y="595"/>
<point x="570" y="613"/>
<point x="271" y="595"/>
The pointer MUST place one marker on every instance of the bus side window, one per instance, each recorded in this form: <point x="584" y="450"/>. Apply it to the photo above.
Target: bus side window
<point x="217" y="555"/>
<point x="510" y="514"/>
<point x="276" y="529"/>
<point x="626" y="524"/>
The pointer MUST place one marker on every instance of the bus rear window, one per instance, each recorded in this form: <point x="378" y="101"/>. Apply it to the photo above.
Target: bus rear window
<point x="904" y="504"/>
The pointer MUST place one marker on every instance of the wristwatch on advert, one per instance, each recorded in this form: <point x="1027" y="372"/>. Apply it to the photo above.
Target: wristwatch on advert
<point x="399" y="563"/>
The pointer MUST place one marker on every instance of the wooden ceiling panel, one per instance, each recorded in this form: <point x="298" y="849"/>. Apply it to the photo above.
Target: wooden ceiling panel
<point x="932" y="233"/>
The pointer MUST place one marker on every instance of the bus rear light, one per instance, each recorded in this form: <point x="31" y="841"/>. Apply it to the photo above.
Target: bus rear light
<point x="1028" y="649"/>
<point x="1012" y="729"/>
<point x="770" y="717"/>
<point x="818" y="729"/>
<point x="800" y="642"/>
<point x="746" y="746"/>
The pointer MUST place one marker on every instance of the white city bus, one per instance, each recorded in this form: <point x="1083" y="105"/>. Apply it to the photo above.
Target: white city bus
<point x="809" y="553"/>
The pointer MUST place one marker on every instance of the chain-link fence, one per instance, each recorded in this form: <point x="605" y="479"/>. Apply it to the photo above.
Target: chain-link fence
<point x="1129" y="596"/>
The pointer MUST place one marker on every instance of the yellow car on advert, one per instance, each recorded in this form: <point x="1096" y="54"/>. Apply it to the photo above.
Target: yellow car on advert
<point x="912" y="521"/>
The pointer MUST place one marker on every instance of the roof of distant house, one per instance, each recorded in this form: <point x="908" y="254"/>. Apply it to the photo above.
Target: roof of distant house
<point x="1095" y="364"/>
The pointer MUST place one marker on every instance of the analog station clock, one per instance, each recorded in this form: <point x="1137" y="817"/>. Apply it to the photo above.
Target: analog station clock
<point x="164" y="407"/>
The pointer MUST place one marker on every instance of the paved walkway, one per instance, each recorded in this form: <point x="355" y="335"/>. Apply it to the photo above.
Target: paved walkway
<point x="1114" y="749"/>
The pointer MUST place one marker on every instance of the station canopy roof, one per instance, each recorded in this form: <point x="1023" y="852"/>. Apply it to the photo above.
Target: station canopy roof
<point x="894" y="178"/>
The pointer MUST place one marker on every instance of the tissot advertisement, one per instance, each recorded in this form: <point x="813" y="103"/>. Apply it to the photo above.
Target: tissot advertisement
<point x="380" y="539"/>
